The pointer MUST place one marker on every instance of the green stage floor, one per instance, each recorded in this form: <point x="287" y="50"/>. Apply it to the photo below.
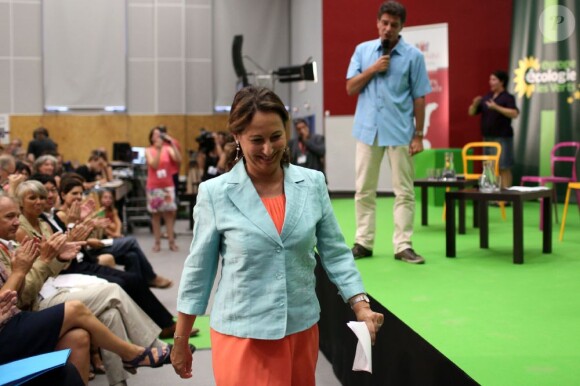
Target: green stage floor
<point x="503" y="324"/>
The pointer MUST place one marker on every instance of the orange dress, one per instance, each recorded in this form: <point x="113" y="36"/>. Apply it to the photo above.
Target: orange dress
<point x="290" y="361"/>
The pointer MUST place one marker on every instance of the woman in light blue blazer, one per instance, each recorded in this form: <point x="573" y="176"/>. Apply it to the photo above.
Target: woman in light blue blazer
<point x="265" y="218"/>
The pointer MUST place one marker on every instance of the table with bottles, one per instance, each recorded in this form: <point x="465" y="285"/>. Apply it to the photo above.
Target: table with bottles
<point x="517" y="197"/>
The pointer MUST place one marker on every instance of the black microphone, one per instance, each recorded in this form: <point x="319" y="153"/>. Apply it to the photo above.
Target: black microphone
<point x="386" y="50"/>
<point x="386" y="47"/>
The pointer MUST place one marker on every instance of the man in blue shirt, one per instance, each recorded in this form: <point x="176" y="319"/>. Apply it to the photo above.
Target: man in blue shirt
<point x="391" y="81"/>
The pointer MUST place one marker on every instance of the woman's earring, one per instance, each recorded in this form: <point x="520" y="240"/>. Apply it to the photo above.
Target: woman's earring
<point x="238" y="151"/>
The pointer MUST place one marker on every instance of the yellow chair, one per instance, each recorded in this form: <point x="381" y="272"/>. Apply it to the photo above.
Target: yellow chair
<point x="571" y="185"/>
<point x="483" y="157"/>
<point x="467" y="158"/>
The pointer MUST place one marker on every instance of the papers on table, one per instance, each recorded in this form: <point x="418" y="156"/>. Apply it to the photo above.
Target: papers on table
<point x="528" y="188"/>
<point x="18" y="372"/>
<point x="113" y="184"/>
<point x="363" y="359"/>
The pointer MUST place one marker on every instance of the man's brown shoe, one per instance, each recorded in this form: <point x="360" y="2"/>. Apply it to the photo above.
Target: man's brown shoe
<point x="359" y="251"/>
<point x="409" y="256"/>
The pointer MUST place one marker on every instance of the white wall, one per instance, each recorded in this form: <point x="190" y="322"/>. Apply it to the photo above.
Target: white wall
<point x="340" y="152"/>
<point x="179" y="52"/>
<point x="306" y="41"/>
<point x="265" y="26"/>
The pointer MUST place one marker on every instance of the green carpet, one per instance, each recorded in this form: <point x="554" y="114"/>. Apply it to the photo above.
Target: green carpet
<point x="202" y="340"/>
<point x="503" y="324"/>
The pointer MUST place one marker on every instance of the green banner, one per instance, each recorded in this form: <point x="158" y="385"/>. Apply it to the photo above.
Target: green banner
<point x="545" y="80"/>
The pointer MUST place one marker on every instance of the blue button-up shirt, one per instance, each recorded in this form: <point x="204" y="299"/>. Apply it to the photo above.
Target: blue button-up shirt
<point x="385" y="105"/>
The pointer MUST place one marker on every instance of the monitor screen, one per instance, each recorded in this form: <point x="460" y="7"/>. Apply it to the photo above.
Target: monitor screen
<point x="138" y="155"/>
<point x="122" y="152"/>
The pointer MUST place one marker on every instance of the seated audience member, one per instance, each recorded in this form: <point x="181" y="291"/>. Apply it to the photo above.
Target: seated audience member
<point x="7" y="168"/>
<point x="9" y="180"/>
<point x="125" y="249"/>
<point x="46" y="164"/>
<point x="95" y="171"/>
<point x="107" y="300"/>
<point x="41" y="144"/>
<point x="22" y="168"/>
<point x="20" y="155"/>
<point x="17" y="328"/>
<point x="14" y="146"/>
<point x="107" y="204"/>
<point x="63" y="166"/>
<point x="25" y="268"/>
<point x="132" y="283"/>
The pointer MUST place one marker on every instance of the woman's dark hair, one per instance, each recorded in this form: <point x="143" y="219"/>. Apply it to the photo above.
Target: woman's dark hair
<point x="21" y="166"/>
<point x="68" y="182"/>
<point x="502" y="76"/>
<point x="151" y="134"/>
<point x="247" y="102"/>
<point x="393" y="8"/>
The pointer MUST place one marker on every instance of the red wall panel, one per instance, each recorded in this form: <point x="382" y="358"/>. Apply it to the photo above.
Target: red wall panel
<point x="479" y="43"/>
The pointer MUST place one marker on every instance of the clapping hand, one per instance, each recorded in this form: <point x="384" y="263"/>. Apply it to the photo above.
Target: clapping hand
<point x="101" y="222"/>
<point x="25" y="255"/>
<point x="88" y="207"/>
<point x="80" y="232"/>
<point x="49" y="248"/>
<point x="69" y="250"/>
<point x="8" y="308"/>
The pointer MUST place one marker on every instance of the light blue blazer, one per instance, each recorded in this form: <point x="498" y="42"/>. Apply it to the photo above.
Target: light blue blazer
<point x="267" y="285"/>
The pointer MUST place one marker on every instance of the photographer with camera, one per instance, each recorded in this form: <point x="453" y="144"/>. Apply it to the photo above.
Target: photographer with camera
<point x="211" y="156"/>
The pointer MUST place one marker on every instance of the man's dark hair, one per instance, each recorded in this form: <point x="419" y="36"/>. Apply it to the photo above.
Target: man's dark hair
<point x="300" y="120"/>
<point x="40" y="131"/>
<point x="393" y="8"/>
<point x="502" y="76"/>
<point x="42" y="178"/>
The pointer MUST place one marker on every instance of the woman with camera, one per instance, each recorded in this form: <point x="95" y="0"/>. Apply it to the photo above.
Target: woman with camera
<point x="160" y="187"/>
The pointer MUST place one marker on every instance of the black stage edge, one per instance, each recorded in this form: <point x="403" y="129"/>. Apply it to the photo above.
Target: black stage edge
<point x="400" y="355"/>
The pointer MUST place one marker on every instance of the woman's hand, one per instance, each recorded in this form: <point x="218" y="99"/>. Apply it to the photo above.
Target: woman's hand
<point x="95" y="243"/>
<point x="373" y="320"/>
<point x="69" y="250"/>
<point x="8" y="308"/>
<point x="181" y="358"/>
<point x="73" y="214"/>
<point x="86" y="208"/>
<point x="80" y="232"/>
<point x="101" y="222"/>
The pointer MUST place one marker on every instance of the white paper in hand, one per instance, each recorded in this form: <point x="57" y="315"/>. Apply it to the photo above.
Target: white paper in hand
<point x="363" y="359"/>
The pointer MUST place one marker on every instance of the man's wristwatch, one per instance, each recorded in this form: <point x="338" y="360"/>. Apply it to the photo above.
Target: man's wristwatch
<point x="359" y="298"/>
<point x="419" y="134"/>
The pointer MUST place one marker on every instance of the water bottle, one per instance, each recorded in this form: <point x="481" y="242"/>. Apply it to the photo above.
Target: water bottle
<point x="487" y="179"/>
<point x="449" y="169"/>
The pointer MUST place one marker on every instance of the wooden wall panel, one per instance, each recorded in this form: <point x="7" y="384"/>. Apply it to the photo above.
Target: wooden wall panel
<point x="77" y="135"/>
